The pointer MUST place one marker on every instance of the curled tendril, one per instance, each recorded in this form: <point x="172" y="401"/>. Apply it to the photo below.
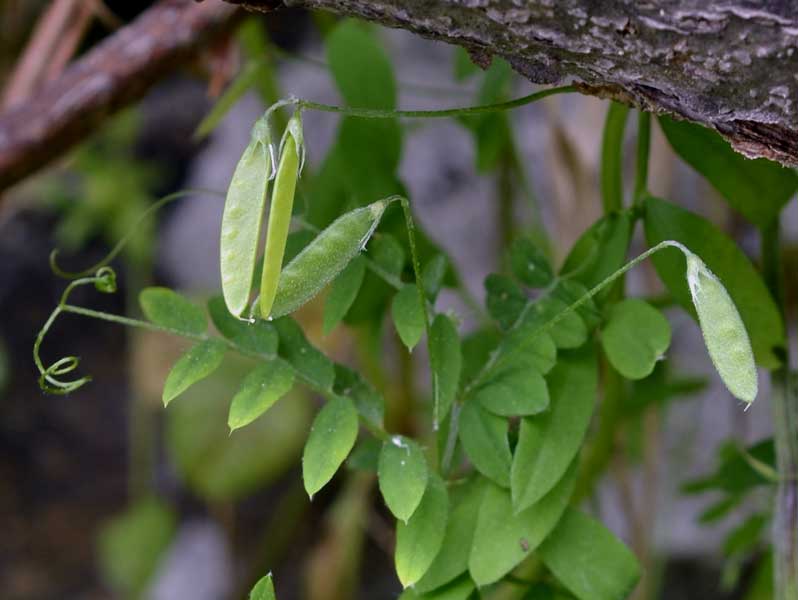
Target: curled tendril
<point x="50" y="377"/>
<point x="125" y="238"/>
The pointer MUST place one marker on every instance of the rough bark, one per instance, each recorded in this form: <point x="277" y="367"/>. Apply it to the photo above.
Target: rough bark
<point x="729" y="64"/>
<point x="112" y="75"/>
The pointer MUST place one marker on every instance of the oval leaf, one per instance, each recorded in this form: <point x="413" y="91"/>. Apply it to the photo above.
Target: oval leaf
<point x="196" y="364"/>
<point x="331" y="438"/>
<point x="635" y="337"/>
<point x="408" y="315"/>
<point x="529" y="264"/>
<point x="757" y="189"/>
<point x="547" y="443"/>
<point x="343" y="292"/>
<point x="403" y="474"/>
<point x="446" y="358"/>
<point x="666" y="221"/>
<point x="588" y="559"/>
<point x="264" y="589"/>
<point x="452" y="559"/>
<point x="419" y="540"/>
<point x="169" y="309"/>
<point x="514" y="390"/>
<point x="503" y="538"/>
<point x="505" y="300"/>
<point x="259" y="390"/>
<point x="484" y="439"/>
<point x="306" y="359"/>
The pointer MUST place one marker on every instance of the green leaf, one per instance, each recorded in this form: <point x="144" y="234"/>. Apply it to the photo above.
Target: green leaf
<point x="452" y="559"/>
<point x="462" y="589"/>
<point x="265" y="385"/>
<point x="331" y="438"/>
<point x="529" y="264"/>
<point x="477" y="349"/>
<point x="569" y="332"/>
<point x="169" y="309"/>
<point x="343" y="292"/>
<point x="446" y="359"/>
<point x="744" y="537"/>
<point x="403" y="475"/>
<point x="666" y="221"/>
<point x="599" y="251"/>
<point x="360" y="66"/>
<point x="635" y="337"/>
<point x="408" y="315"/>
<point x="419" y="540"/>
<point x="365" y="456"/>
<point x="503" y="538"/>
<point x="757" y="189"/>
<point x="735" y="474"/>
<point x="200" y="361"/>
<point x="547" y="443"/>
<point x="513" y="389"/>
<point x="518" y="348"/>
<point x="433" y="275"/>
<point x="387" y="253"/>
<point x="218" y="467"/>
<point x="761" y="586"/>
<point x="505" y="301"/>
<point x="484" y="439"/>
<point x="259" y="337"/>
<point x="302" y="355"/>
<point x="369" y="402"/>
<point x="589" y="560"/>
<point x="132" y="544"/>
<point x="264" y="589"/>
<point x="542" y="591"/>
<point x="245" y="79"/>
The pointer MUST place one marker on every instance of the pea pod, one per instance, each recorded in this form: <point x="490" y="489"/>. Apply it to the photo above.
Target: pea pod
<point x="724" y="333"/>
<point x="325" y="257"/>
<point x="280" y="212"/>
<point x="243" y="210"/>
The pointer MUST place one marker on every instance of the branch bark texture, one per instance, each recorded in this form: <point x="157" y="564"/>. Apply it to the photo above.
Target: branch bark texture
<point x="729" y="64"/>
<point x="112" y="75"/>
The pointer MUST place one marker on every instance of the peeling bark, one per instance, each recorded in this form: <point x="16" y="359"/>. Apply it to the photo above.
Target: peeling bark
<point x="732" y="65"/>
<point x="114" y="74"/>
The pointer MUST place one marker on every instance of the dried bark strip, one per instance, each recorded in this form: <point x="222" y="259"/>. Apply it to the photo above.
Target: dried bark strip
<point x="114" y="74"/>
<point x="730" y="64"/>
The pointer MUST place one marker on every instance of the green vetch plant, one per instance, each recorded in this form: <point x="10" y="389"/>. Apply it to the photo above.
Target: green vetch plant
<point x="484" y="493"/>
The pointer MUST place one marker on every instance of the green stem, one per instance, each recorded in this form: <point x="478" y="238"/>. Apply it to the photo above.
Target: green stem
<point x="612" y="158"/>
<point x="784" y="406"/>
<point x="643" y="149"/>
<point x="376" y="113"/>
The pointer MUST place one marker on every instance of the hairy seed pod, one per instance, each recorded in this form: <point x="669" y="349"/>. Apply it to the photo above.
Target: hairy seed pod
<point x="280" y="212"/>
<point x="724" y="332"/>
<point x="243" y="211"/>
<point x="325" y="257"/>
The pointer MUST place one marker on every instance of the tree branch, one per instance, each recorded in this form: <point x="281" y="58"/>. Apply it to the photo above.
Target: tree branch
<point x="730" y="64"/>
<point x="114" y="74"/>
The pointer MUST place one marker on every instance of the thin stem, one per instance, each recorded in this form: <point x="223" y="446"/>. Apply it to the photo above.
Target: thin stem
<point x="134" y="229"/>
<point x="612" y="158"/>
<point x="643" y="149"/>
<point x="464" y="111"/>
<point x="784" y="403"/>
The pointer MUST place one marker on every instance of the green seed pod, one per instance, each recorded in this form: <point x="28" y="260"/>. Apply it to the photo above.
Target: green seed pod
<point x="280" y="212"/>
<point x="325" y="257"/>
<point x="243" y="211"/>
<point x="724" y="332"/>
